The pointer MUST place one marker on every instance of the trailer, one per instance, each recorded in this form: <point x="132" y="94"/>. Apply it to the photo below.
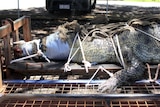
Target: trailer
<point x="49" y="91"/>
<point x="71" y="5"/>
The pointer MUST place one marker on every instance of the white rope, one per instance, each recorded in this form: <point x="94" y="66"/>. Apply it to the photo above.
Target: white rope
<point x="66" y="65"/>
<point x="148" y="34"/>
<point x="120" y="52"/>
<point x="86" y="63"/>
<point x="26" y="51"/>
<point x="115" y="50"/>
<point x="26" y="57"/>
<point x="100" y="68"/>
<point x="145" y="33"/>
<point x="149" y="80"/>
<point x="99" y="32"/>
<point x="157" y="72"/>
<point x="149" y="73"/>
<point x="39" y="53"/>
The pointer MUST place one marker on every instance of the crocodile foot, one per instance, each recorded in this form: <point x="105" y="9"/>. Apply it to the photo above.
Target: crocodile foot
<point x="109" y="86"/>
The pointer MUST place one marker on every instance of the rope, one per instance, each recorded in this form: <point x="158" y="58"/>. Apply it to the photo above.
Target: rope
<point x="148" y="34"/>
<point x="86" y="63"/>
<point x="145" y="33"/>
<point x="26" y="57"/>
<point x="149" y="72"/>
<point x="43" y="55"/>
<point x="66" y="65"/>
<point x="120" y="52"/>
<point x="39" y="53"/>
<point x="115" y="50"/>
<point x="100" y="32"/>
<point x="102" y="69"/>
<point x="156" y="74"/>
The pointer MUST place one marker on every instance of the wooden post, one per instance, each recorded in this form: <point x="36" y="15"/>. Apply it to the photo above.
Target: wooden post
<point x="7" y="46"/>
<point x="9" y="30"/>
<point x="1" y="80"/>
<point x="24" y="22"/>
<point x="14" y="33"/>
<point x="7" y="49"/>
<point x="5" y="31"/>
<point x="27" y="29"/>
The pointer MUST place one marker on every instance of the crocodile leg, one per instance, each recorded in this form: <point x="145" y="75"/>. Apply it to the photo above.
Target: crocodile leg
<point x="133" y="71"/>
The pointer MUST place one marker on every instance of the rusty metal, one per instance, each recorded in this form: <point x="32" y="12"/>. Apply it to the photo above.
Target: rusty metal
<point x="74" y="87"/>
<point x="17" y="100"/>
<point x="135" y="103"/>
<point x="29" y="68"/>
<point x="43" y="101"/>
<point x="71" y="93"/>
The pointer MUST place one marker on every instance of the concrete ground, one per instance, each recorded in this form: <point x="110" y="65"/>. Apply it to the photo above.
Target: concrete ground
<point x="25" y="4"/>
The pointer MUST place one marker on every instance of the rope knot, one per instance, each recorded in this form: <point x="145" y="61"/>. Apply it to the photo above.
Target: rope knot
<point x="39" y="52"/>
<point x="86" y="63"/>
<point x="67" y="67"/>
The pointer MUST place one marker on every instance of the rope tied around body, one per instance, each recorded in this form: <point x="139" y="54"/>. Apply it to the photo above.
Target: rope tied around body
<point x="39" y="52"/>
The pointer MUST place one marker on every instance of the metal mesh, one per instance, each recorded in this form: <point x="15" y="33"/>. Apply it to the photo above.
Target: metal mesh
<point x="54" y="102"/>
<point x="150" y="88"/>
<point x="135" y="103"/>
<point x="52" y="95"/>
<point x="48" y="88"/>
<point x="43" y="101"/>
<point x="76" y="88"/>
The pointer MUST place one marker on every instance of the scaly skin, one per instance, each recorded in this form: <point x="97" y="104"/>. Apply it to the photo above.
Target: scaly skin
<point x="137" y="49"/>
<point x="98" y="50"/>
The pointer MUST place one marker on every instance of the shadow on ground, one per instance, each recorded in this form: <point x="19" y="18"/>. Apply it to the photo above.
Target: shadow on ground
<point x="44" y="23"/>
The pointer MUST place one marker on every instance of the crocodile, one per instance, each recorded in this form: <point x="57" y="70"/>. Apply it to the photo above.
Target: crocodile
<point x="131" y="44"/>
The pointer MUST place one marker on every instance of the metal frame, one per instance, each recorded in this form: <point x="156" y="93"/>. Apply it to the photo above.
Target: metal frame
<point x="77" y="87"/>
<point x="139" y="93"/>
<point x="67" y="101"/>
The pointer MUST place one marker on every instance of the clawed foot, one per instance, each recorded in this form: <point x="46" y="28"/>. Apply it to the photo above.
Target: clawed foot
<point x="108" y="86"/>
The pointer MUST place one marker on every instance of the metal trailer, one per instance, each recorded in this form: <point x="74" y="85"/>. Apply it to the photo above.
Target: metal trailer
<point x="71" y="5"/>
<point x="60" y="93"/>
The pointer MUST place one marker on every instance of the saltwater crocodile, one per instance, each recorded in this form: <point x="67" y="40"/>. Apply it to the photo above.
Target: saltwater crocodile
<point x="132" y="44"/>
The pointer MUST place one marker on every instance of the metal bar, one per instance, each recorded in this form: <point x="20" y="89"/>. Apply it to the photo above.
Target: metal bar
<point x="111" y="97"/>
<point x="45" y="102"/>
<point x="53" y="81"/>
<point x="18" y="8"/>
<point x="81" y="90"/>
<point x="135" y="103"/>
